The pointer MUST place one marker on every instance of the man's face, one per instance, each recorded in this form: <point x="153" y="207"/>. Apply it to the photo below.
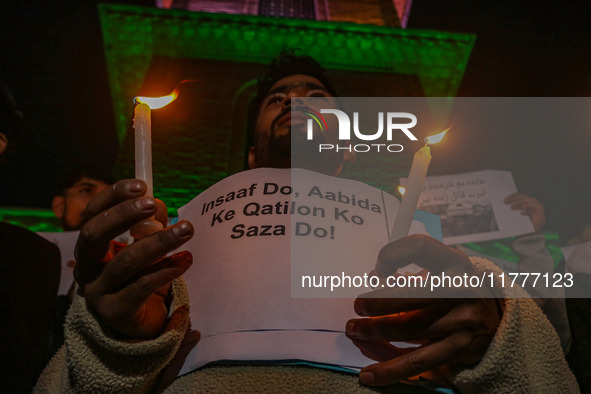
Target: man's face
<point x="275" y="126"/>
<point x="70" y="206"/>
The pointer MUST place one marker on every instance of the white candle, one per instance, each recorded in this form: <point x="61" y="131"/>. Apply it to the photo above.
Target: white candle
<point x="142" y="124"/>
<point x="414" y="186"/>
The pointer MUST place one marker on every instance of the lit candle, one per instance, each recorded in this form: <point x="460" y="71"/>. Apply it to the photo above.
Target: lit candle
<point x="142" y="124"/>
<point x="414" y="186"/>
<point x="410" y="198"/>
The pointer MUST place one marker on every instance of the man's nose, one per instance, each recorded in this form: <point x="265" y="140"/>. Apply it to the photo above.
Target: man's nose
<point x="286" y="103"/>
<point x="293" y="93"/>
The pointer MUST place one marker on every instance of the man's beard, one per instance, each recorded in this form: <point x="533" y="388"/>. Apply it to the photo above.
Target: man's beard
<point x="295" y="150"/>
<point x="274" y="152"/>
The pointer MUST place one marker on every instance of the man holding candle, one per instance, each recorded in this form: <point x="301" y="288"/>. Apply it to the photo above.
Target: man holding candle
<point x="75" y="190"/>
<point x="123" y="309"/>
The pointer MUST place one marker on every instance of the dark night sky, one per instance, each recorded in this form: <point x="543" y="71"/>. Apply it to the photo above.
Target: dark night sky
<point x="52" y="59"/>
<point x="522" y="48"/>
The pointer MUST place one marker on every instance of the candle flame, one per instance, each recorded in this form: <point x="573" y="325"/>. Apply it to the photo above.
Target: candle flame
<point x="401" y="190"/>
<point x="157" y="102"/>
<point x="434" y="139"/>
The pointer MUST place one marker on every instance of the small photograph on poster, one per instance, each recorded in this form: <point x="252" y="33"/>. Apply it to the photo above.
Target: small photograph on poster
<point x="465" y="217"/>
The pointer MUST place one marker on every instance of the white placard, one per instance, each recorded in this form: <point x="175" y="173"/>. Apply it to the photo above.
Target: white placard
<point x="471" y="206"/>
<point x="66" y="242"/>
<point x="239" y="284"/>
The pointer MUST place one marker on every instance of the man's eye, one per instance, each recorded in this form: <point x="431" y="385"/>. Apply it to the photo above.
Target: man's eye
<point x="275" y="99"/>
<point x="85" y="191"/>
<point x="318" y="93"/>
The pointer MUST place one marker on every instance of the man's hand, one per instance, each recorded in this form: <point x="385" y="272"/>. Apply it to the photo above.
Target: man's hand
<point x="127" y="288"/>
<point x="529" y="206"/>
<point x="452" y="332"/>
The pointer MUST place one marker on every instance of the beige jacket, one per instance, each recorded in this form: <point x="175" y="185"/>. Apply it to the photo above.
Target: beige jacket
<point x="524" y="357"/>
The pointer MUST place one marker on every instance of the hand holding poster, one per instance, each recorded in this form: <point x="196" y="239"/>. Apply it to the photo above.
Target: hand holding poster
<point x="471" y="206"/>
<point x="250" y="231"/>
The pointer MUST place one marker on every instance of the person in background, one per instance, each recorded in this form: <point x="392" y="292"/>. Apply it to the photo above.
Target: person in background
<point x="75" y="190"/>
<point x="577" y="231"/>
<point x="535" y="258"/>
<point x="12" y="124"/>
<point x="29" y="279"/>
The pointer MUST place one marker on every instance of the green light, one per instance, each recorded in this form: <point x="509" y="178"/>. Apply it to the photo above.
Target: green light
<point x="502" y="249"/>
<point x="38" y="220"/>
<point x="134" y="36"/>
